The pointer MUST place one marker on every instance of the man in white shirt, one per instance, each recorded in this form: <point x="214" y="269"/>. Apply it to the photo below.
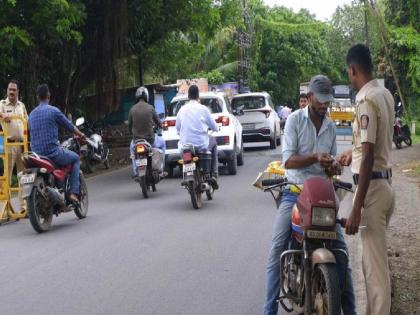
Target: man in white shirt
<point x="193" y="122"/>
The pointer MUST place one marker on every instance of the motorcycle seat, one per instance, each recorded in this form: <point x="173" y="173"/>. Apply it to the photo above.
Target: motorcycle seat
<point x="49" y="160"/>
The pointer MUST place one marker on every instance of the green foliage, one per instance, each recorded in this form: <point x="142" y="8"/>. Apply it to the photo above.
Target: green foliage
<point x="288" y="54"/>
<point x="213" y="77"/>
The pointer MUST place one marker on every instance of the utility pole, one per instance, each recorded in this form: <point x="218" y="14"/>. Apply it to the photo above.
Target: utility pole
<point x="244" y="40"/>
<point x="366" y="8"/>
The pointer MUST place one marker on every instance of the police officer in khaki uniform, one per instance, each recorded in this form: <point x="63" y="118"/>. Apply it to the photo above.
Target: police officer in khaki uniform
<point x="374" y="199"/>
<point x="11" y="106"/>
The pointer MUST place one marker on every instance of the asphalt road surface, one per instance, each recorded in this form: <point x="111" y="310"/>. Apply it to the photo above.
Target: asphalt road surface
<point x="136" y="256"/>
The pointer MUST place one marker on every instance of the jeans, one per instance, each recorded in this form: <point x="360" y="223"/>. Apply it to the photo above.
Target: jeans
<point x="158" y="143"/>
<point x="66" y="157"/>
<point x="280" y="241"/>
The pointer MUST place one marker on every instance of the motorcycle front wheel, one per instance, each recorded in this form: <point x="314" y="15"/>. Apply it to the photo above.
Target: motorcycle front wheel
<point x="82" y="210"/>
<point x="326" y="290"/>
<point x="398" y="144"/>
<point x="39" y="214"/>
<point x="144" y="188"/>
<point x="408" y="141"/>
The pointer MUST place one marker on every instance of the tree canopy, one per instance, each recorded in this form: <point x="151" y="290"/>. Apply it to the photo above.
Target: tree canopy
<point x="91" y="47"/>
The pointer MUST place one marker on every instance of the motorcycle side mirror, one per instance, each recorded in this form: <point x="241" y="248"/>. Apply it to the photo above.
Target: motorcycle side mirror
<point x="80" y="121"/>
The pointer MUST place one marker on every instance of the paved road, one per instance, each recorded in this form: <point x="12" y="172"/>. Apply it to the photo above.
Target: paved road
<point x="136" y="256"/>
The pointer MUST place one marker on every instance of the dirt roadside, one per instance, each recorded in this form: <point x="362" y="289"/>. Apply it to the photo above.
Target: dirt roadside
<point x="403" y="234"/>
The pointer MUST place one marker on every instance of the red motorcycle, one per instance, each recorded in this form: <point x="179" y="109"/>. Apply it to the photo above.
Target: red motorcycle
<point x="46" y="188"/>
<point x="309" y="281"/>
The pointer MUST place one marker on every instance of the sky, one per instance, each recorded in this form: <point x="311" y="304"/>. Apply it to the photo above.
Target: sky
<point x="323" y="9"/>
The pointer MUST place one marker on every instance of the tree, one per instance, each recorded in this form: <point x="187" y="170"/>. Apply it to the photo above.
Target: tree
<point x="38" y="38"/>
<point x="288" y="53"/>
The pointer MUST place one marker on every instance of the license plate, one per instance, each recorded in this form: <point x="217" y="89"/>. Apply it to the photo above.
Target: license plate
<point x="248" y="126"/>
<point x="189" y="167"/>
<point x="326" y="235"/>
<point x="27" y="179"/>
<point x="141" y="162"/>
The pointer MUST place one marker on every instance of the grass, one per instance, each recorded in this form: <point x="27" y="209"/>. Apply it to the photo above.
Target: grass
<point x="416" y="139"/>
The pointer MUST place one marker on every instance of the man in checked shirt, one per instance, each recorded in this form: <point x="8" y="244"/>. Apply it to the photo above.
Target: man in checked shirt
<point x="44" y="123"/>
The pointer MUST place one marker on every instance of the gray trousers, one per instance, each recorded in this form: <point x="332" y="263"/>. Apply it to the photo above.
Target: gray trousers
<point x="214" y="156"/>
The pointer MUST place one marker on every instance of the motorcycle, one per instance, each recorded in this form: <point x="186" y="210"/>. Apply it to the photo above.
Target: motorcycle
<point x="401" y="134"/>
<point x="197" y="177"/>
<point x="149" y="163"/>
<point x="310" y="281"/>
<point x="46" y="188"/>
<point x="93" y="150"/>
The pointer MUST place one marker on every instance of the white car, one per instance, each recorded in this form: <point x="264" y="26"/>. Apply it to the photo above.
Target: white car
<point x="229" y="137"/>
<point x="260" y="121"/>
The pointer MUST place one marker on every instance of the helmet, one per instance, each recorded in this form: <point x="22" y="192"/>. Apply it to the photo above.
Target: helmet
<point x="143" y="93"/>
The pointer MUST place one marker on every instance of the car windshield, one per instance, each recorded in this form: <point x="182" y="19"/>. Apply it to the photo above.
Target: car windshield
<point x="248" y="102"/>
<point x="214" y="104"/>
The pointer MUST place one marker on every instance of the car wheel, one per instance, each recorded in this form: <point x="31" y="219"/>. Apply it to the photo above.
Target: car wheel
<point x="273" y="142"/>
<point x="241" y="155"/>
<point x="232" y="166"/>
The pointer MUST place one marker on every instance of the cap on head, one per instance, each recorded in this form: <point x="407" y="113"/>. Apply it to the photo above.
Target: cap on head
<point x="321" y="86"/>
<point x="143" y="93"/>
<point x="43" y="92"/>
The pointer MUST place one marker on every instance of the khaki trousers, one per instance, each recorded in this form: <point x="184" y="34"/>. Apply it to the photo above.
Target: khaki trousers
<point x="15" y="158"/>
<point x="378" y="208"/>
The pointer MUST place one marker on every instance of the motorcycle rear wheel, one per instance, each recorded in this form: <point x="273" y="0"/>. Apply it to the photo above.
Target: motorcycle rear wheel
<point x="82" y="210"/>
<point x="196" y="197"/>
<point x="39" y="215"/>
<point x="209" y="194"/>
<point x="398" y="144"/>
<point x="326" y="290"/>
<point x="144" y="188"/>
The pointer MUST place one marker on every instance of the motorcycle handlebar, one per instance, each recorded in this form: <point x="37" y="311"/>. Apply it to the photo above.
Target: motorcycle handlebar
<point x="272" y="182"/>
<point x="342" y="222"/>
<point x="343" y="185"/>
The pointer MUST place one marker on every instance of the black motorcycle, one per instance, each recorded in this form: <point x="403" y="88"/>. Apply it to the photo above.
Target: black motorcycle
<point x="197" y="176"/>
<point x="149" y="162"/>
<point x="402" y="131"/>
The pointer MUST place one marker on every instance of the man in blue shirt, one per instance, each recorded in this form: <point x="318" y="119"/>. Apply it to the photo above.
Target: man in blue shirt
<point x="193" y="122"/>
<point x="44" y="122"/>
<point x="308" y="147"/>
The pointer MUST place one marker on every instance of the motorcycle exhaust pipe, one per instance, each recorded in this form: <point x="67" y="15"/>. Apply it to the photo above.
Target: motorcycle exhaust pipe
<point x="205" y="186"/>
<point x="55" y="197"/>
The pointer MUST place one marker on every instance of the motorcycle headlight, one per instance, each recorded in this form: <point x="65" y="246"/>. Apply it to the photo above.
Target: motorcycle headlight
<point x="323" y="216"/>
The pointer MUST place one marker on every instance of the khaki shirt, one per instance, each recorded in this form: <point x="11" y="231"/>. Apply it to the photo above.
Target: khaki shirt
<point x="15" y="127"/>
<point x="374" y="123"/>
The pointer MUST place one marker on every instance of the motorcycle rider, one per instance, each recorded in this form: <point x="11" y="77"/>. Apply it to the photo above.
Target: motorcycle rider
<point x="44" y="122"/>
<point x="192" y="123"/>
<point x="142" y="119"/>
<point x="309" y="143"/>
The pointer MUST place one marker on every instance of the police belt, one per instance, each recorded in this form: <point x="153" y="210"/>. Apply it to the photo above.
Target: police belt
<point x="375" y="175"/>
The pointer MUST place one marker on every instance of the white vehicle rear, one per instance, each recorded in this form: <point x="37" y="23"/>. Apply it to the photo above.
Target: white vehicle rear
<point x="228" y="138"/>
<point x="260" y="121"/>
